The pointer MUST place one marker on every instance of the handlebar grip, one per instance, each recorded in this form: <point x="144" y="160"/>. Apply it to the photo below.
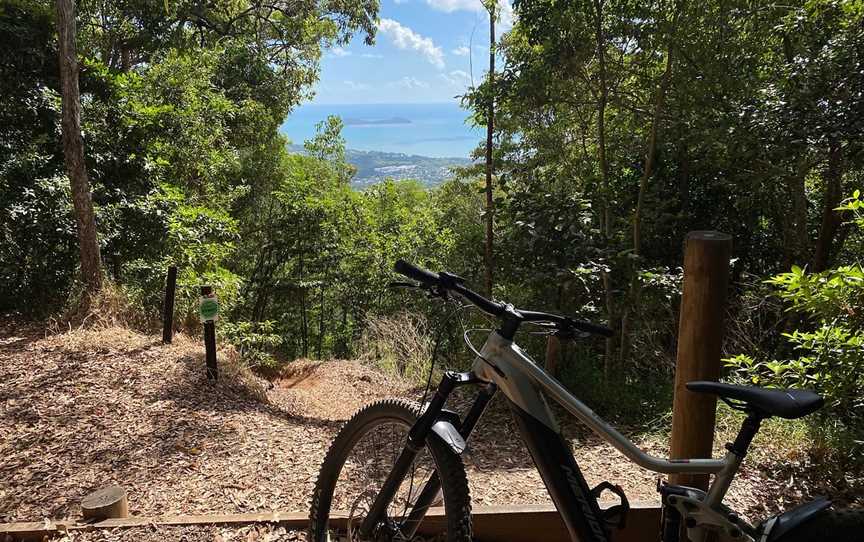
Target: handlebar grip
<point x="419" y="274"/>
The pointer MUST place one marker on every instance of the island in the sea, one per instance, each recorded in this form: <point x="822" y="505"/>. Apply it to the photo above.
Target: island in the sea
<point x="375" y="122"/>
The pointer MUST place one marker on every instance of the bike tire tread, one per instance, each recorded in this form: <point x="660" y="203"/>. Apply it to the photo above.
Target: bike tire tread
<point x="449" y="465"/>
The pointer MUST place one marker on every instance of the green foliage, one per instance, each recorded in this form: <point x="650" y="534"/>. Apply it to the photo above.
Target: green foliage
<point x="254" y="341"/>
<point x="328" y="146"/>
<point x="181" y="135"/>
<point x="317" y="254"/>
<point x="828" y="346"/>
<point x="181" y="110"/>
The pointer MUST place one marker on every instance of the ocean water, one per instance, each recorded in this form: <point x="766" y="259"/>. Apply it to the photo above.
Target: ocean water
<point x="438" y="130"/>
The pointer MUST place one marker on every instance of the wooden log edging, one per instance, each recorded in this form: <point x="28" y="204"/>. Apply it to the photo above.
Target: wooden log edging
<point x="520" y="523"/>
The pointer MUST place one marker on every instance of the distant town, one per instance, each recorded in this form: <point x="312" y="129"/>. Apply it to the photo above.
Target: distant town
<point x="375" y="166"/>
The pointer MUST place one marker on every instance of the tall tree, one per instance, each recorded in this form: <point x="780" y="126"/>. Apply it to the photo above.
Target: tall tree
<point x="490" y="128"/>
<point x="603" y="161"/>
<point x="647" y="171"/>
<point x="73" y="149"/>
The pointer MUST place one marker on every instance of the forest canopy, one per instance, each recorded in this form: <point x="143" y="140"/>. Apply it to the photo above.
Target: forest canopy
<point x="619" y="127"/>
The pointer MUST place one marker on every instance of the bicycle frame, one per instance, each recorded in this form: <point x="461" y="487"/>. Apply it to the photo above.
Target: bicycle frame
<point x="524" y="383"/>
<point x="502" y="365"/>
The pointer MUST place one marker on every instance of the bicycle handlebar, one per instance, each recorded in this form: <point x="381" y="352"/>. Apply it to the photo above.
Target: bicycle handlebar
<point x="449" y="282"/>
<point x="442" y="282"/>
<point x="419" y="274"/>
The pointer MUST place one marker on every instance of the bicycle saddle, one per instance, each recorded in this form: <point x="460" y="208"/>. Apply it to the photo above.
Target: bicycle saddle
<point x="789" y="404"/>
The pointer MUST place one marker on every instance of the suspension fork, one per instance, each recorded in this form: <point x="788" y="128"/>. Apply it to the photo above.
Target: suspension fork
<point x="415" y="442"/>
<point x="433" y="485"/>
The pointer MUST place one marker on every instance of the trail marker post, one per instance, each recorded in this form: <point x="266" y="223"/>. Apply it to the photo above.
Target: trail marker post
<point x="209" y="312"/>
<point x="700" y="334"/>
<point x="168" y="306"/>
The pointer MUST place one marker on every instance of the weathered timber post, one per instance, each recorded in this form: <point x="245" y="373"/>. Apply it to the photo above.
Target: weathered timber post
<point x="168" y="306"/>
<point x="700" y="334"/>
<point x="556" y="350"/>
<point x="110" y="502"/>
<point x="553" y="353"/>
<point x="209" y="310"/>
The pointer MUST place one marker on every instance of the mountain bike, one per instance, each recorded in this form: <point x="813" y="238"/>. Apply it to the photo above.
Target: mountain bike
<point x="395" y="459"/>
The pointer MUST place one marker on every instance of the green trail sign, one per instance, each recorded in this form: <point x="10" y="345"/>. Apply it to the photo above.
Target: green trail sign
<point x="208" y="308"/>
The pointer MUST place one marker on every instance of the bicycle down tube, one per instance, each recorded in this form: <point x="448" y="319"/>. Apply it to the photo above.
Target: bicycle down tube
<point x="521" y="380"/>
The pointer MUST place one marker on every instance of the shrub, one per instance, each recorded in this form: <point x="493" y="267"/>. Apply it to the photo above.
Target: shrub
<point x="254" y="341"/>
<point x="400" y="344"/>
<point x="829" y="342"/>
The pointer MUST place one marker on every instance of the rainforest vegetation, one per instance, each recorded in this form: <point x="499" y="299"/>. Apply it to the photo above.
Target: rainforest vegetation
<point x="619" y="126"/>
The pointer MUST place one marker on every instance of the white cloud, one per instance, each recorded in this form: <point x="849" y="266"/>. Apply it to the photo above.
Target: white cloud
<point x="405" y="38"/>
<point x="410" y="83"/>
<point x="339" y="52"/>
<point x="450" y="6"/>
<point x="505" y="10"/>
<point x="372" y="55"/>
<point x="505" y="19"/>
<point x="461" y="51"/>
<point x="457" y="78"/>
<point x="353" y="85"/>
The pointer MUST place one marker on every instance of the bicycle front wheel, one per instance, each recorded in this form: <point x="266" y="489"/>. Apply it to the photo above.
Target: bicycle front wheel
<point x="359" y="461"/>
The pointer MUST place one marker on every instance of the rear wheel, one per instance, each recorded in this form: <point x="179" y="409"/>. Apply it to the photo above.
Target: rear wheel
<point x="830" y="526"/>
<point x="359" y="461"/>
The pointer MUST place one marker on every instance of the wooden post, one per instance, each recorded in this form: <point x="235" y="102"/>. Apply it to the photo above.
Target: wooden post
<point x="700" y="333"/>
<point x="556" y="350"/>
<point x="110" y="502"/>
<point x="554" y="353"/>
<point x="208" y="316"/>
<point x="168" y="306"/>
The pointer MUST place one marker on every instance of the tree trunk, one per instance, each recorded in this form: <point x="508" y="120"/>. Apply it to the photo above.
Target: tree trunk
<point x="831" y="218"/>
<point x="304" y="322"/>
<point x="73" y="149"/>
<point x="490" y="127"/>
<point x="605" y="213"/>
<point x="647" y="172"/>
<point x="554" y="354"/>
<point x="651" y="150"/>
<point x="795" y="229"/>
<point x="321" y="324"/>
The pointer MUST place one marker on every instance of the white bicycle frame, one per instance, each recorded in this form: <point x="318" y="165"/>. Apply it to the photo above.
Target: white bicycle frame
<point x="526" y="385"/>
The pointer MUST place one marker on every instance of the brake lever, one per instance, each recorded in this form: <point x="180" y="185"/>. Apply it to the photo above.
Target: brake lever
<point x="432" y="293"/>
<point x="402" y="284"/>
<point x="438" y="293"/>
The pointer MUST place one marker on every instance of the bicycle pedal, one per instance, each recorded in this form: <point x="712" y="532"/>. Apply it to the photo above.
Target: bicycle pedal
<point x="614" y="516"/>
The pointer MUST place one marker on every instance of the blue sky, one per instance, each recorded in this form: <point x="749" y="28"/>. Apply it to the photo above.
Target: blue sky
<point x="421" y="54"/>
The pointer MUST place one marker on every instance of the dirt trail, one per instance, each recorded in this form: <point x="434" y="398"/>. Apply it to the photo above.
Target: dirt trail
<point x="86" y="409"/>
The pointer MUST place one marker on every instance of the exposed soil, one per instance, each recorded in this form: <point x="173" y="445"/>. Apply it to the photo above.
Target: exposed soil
<point x="86" y="409"/>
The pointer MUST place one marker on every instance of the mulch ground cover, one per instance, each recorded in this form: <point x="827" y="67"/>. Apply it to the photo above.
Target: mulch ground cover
<point x="89" y="408"/>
